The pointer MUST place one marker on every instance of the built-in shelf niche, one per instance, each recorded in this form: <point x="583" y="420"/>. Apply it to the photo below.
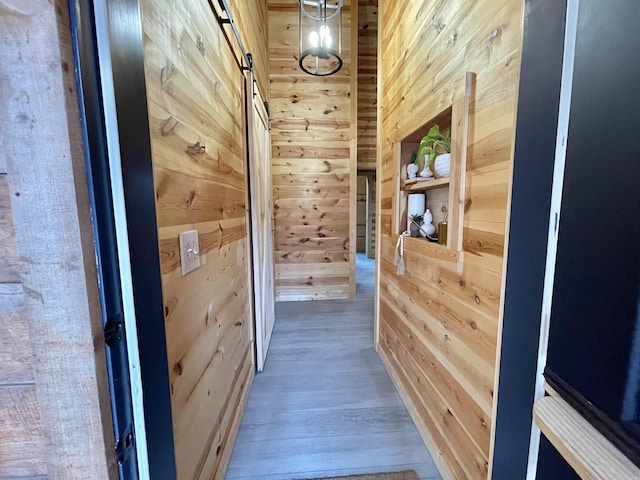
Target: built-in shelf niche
<point x="445" y="194"/>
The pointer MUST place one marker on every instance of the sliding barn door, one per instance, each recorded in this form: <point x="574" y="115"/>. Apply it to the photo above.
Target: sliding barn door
<point x="261" y="199"/>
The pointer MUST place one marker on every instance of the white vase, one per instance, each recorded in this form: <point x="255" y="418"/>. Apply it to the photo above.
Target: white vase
<point x="412" y="169"/>
<point x="428" y="228"/>
<point x="426" y="173"/>
<point x="442" y="165"/>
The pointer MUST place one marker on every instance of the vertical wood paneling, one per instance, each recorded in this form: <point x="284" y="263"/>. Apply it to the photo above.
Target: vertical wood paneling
<point x="313" y="139"/>
<point x="438" y="326"/>
<point x="367" y="82"/>
<point x="196" y="109"/>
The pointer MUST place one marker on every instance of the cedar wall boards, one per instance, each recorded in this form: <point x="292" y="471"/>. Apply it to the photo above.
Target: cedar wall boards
<point x="438" y="328"/>
<point x="367" y="82"/>
<point x="251" y="18"/>
<point x="196" y="113"/>
<point x="55" y="418"/>
<point x="313" y="133"/>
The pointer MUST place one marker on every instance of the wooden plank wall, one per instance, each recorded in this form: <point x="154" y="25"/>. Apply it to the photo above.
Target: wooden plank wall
<point x="55" y="417"/>
<point x="22" y="442"/>
<point x="313" y="139"/>
<point x="371" y="216"/>
<point x="253" y="24"/>
<point x="438" y="328"/>
<point x="367" y="82"/>
<point x="361" y="214"/>
<point x="196" y="109"/>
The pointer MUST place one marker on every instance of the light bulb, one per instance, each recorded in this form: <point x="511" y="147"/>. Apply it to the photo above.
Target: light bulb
<point x="314" y="38"/>
<point x="324" y="31"/>
<point x="327" y="41"/>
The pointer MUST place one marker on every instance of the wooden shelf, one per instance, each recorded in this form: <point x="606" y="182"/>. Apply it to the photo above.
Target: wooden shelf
<point x="426" y="185"/>
<point x="590" y="454"/>
<point x="444" y="197"/>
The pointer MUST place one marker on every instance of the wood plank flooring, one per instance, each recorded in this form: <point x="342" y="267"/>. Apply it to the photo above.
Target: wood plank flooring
<point x="324" y="405"/>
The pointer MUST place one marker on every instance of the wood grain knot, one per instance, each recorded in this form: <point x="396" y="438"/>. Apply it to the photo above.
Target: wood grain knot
<point x="167" y="72"/>
<point x="439" y="26"/>
<point x="200" y="45"/>
<point x="495" y="33"/>
<point x="196" y="149"/>
<point x="192" y="196"/>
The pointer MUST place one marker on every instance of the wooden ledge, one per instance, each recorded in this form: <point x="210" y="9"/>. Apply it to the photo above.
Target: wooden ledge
<point x="590" y="454"/>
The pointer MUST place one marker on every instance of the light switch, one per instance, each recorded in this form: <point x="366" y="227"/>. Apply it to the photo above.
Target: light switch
<point x="189" y="251"/>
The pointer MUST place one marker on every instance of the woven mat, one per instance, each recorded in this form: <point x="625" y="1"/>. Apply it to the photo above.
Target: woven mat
<point x="405" y="475"/>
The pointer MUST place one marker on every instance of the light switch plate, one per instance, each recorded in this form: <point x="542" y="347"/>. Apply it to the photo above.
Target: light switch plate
<point x="189" y="251"/>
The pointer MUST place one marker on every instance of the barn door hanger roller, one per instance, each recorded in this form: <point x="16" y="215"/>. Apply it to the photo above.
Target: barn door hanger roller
<point x="320" y="32"/>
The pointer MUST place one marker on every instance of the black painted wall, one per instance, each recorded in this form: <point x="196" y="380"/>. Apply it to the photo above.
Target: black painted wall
<point x="538" y="102"/>
<point x="595" y="314"/>
<point x="551" y="465"/>
<point x="595" y="300"/>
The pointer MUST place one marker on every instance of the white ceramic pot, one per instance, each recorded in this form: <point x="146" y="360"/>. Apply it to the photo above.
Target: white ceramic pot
<point x="428" y="228"/>
<point x="442" y="165"/>
<point x="427" y="217"/>
<point x="426" y="172"/>
<point x="412" y="170"/>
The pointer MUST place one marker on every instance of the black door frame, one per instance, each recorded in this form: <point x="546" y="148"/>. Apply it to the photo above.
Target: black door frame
<point x="533" y="172"/>
<point x="130" y="98"/>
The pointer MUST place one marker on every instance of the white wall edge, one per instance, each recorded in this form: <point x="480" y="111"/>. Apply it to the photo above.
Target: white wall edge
<point x="571" y="30"/>
<point x="122" y="234"/>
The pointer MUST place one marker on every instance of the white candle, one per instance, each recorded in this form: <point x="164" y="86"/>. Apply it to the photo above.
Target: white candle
<point x="415" y="206"/>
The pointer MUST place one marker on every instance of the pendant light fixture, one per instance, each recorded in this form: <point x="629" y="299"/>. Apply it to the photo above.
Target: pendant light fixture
<point x="320" y="36"/>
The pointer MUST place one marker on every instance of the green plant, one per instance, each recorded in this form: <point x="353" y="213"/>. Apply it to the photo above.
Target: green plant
<point x="414" y="158"/>
<point x="433" y="144"/>
<point x="417" y="218"/>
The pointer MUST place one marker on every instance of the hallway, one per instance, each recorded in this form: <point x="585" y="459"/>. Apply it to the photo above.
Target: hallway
<point x="324" y="405"/>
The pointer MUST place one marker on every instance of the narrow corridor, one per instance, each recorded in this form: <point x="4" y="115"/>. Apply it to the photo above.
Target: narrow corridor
<point x="324" y="405"/>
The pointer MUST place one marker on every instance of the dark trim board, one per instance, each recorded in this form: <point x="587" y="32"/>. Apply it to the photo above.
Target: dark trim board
<point x="90" y="101"/>
<point x="538" y="104"/>
<point x="125" y="37"/>
<point x="127" y="61"/>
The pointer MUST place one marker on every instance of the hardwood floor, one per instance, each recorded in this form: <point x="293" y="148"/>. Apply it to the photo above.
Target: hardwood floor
<point x="324" y="405"/>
